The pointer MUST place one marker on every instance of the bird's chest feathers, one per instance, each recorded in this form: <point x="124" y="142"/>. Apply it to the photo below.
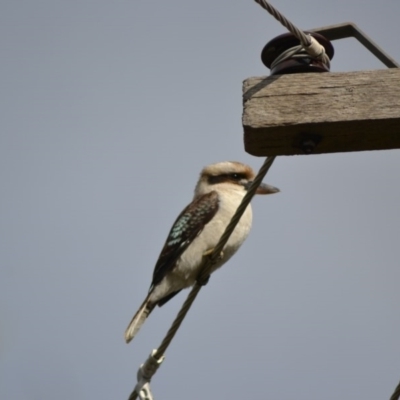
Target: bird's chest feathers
<point x="228" y="207"/>
<point x="191" y="259"/>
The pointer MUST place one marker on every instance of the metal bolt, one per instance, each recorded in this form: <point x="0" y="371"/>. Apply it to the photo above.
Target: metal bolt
<point x="308" y="146"/>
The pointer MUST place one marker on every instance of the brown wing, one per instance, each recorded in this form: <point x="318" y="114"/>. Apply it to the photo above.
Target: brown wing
<point x="187" y="226"/>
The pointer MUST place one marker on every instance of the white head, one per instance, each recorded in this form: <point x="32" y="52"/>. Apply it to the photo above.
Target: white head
<point x="229" y="176"/>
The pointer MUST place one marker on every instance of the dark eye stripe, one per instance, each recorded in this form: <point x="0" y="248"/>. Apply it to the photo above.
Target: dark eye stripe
<point x="233" y="177"/>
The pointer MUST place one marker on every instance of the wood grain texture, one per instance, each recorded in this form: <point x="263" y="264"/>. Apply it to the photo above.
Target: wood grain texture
<point x="340" y="112"/>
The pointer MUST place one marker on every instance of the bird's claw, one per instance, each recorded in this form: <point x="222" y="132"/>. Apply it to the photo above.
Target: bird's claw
<point x="210" y="251"/>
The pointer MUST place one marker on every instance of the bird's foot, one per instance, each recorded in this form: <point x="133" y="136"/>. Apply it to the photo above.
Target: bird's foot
<point x="210" y="251"/>
<point x="204" y="281"/>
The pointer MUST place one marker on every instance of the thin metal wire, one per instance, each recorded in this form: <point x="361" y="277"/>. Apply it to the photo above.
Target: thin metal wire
<point x="209" y="261"/>
<point x="294" y="52"/>
<point x="305" y="40"/>
<point x="238" y="214"/>
<point x="396" y="393"/>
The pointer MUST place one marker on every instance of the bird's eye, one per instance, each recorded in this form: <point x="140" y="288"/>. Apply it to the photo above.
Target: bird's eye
<point x="235" y="176"/>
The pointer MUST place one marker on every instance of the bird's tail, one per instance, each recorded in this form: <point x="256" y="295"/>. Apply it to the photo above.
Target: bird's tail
<point x="138" y="319"/>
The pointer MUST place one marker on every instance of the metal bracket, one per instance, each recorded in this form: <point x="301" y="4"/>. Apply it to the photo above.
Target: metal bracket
<point x="349" y="29"/>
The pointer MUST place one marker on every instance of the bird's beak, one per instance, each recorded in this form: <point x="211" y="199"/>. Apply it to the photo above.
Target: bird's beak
<point x="266" y="189"/>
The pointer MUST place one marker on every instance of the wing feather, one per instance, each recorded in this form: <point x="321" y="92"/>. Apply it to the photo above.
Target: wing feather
<point x="186" y="227"/>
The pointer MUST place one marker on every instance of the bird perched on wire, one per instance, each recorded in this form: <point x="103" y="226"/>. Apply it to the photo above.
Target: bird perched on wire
<point x="197" y="230"/>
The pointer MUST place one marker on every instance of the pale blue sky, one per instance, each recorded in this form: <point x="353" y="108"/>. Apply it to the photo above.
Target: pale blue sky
<point x="109" y="109"/>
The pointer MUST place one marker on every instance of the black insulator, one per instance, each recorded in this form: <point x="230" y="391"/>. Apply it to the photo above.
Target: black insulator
<point x="300" y="61"/>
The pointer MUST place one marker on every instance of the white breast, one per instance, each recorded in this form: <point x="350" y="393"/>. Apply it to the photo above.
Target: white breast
<point x="187" y="268"/>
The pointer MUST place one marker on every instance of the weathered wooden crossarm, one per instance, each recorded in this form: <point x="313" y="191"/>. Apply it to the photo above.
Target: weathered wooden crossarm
<point x="322" y="112"/>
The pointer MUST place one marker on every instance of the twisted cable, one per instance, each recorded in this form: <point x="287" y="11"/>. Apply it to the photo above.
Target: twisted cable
<point x="208" y="263"/>
<point x="396" y="393"/>
<point x="310" y="45"/>
<point x="304" y="39"/>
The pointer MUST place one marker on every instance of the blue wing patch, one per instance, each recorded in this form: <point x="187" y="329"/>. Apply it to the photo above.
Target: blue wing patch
<point x="187" y="226"/>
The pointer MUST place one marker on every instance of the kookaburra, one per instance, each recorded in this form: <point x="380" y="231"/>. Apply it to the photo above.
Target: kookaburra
<point x="197" y="230"/>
